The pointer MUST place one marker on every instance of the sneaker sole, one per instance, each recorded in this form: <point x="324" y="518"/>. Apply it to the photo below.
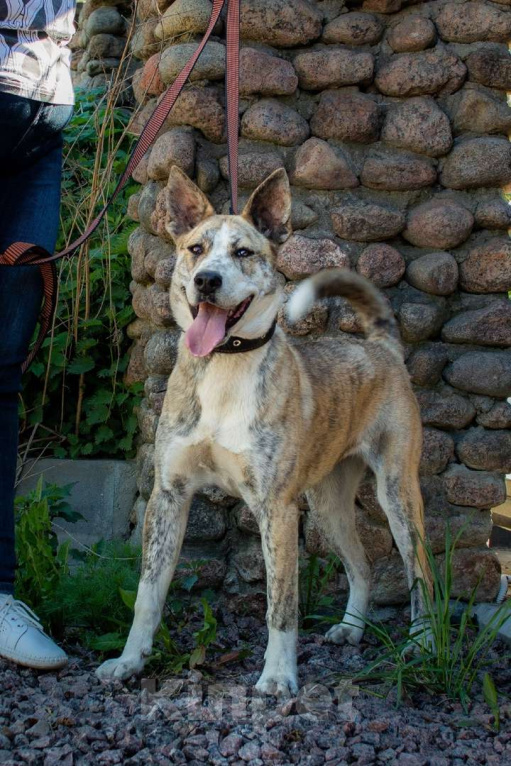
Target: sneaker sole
<point x="34" y="664"/>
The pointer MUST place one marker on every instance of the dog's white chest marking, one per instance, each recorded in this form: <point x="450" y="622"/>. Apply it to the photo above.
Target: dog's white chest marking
<point x="228" y="400"/>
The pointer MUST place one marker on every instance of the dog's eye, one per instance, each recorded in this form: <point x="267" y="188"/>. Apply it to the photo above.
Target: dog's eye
<point x="243" y="252"/>
<point x="196" y="249"/>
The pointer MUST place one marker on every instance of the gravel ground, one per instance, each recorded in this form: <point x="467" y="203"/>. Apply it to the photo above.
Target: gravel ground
<point x="212" y="717"/>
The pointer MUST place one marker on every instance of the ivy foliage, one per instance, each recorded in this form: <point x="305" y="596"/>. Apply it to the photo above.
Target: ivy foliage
<point x="75" y="399"/>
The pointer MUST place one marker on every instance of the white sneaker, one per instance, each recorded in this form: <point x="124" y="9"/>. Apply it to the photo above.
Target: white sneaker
<point x="23" y="640"/>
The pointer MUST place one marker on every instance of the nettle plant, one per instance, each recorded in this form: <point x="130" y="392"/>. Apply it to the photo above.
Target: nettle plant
<point x="75" y="402"/>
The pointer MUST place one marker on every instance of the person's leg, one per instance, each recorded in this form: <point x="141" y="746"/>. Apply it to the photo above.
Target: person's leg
<point x="20" y="299"/>
<point x="31" y="162"/>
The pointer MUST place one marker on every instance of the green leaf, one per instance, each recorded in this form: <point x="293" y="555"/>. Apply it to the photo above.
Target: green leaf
<point x="197" y="657"/>
<point x="80" y="365"/>
<point x="188" y="582"/>
<point x="128" y="597"/>
<point x="491" y="698"/>
<point x="108" y="642"/>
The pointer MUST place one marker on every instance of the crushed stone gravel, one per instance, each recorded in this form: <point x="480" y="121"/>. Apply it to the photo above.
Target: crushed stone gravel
<point x="213" y="716"/>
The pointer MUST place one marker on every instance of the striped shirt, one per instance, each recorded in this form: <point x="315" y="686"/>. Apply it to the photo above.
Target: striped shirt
<point x="34" y="57"/>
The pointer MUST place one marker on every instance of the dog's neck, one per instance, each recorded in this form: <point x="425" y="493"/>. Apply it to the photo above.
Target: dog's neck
<point x="236" y="345"/>
<point x="225" y="364"/>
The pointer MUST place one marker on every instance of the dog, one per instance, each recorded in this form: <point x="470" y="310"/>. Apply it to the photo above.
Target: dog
<point x="269" y="420"/>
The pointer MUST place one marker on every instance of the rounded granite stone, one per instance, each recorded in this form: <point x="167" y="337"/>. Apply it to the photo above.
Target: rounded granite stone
<point x="280" y="23"/>
<point x="146" y="81"/>
<point x="144" y="42"/>
<point x="382" y="264"/>
<point x="253" y="167"/>
<point x="493" y="214"/>
<point x="104" y="46"/>
<point x="318" y="165"/>
<point x="487" y="268"/>
<point x="420" y="321"/>
<point x="481" y="372"/>
<point x="485" y="450"/>
<point x="489" y="326"/>
<point x="346" y="116"/>
<point x="333" y="68"/>
<point x="354" y="28"/>
<point x="365" y="221"/>
<point x="175" y="147"/>
<point x="302" y="256"/>
<point x="183" y="17"/>
<point x="437" y="451"/>
<point x="435" y="273"/>
<point x="439" y="223"/>
<point x="473" y="22"/>
<point x="105" y="20"/>
<point x="271" y="120"/>
<point x="490" y="67"/>
<point x="473" y="488"/>
<point x="478" y="162"/>
<point x="436" y="71"/>
<point x="200" y="108"/>
<point x="397" y="171"/>
<point x="418" y="124"/>
<point x="414" y="33"/>
<point x="479" y="111"/>
<point x="210" y="66"/>
<point x="161" y="352"/>
<point x="445" y="409"/>
<point x="160" y="312"/>
<point x="498" y="416"/>
<point x="265" y="74"/>
<point x="425" y="364"/>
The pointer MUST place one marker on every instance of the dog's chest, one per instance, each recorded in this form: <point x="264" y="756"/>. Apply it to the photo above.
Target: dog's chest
<point x="228" y="410"/>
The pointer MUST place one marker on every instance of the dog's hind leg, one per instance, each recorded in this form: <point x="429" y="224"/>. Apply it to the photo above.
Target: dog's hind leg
<point x="332" y="503"/>
<point x="399" y="495"/>
<point x="279" y="535"/>
<point x="164" y="528"/>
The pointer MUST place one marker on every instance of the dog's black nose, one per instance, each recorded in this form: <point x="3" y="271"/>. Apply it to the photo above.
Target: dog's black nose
<point x="208" y="281"/>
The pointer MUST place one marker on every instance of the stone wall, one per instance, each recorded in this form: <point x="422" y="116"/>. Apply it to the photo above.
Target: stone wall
<point x="99" y="43"/>
<point x="391" y="119"/>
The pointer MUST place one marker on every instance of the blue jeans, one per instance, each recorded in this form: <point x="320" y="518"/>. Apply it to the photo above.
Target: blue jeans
<point x="30" y="171"/>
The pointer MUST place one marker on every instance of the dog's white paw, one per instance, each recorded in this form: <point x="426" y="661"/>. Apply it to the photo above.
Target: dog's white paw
<point x="278" y="684"/>
<point x="119" y="668"/>
<point x="344" y="633"/>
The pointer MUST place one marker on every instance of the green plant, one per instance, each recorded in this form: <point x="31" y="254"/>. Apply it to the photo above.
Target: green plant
<point x="94" y="601"/>
<point x="75" y="401"/>
<point x="42" y="562"/>
<point x="315" y="577"/>
<point x="89" y="599"/>
<point x="168" y="658"/>
<point x="456" y="657"/>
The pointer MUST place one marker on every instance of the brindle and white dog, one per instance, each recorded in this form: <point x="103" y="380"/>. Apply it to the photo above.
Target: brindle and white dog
<point x="274" y="422"/>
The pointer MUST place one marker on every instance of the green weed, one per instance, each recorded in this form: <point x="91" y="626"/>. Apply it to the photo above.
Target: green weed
<point x="455" y="662"/>
<point x="316" y="575"/>
<point x="75" y="402"/>
<point x="42" y="562"/>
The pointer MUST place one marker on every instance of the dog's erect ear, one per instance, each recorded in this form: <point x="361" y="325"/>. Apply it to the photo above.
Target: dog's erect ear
<point x="187" y="206"/>
<point x="269" y="207"/>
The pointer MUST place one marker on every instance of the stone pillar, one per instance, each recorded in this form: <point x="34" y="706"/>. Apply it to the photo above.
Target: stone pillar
<point x="391" y="120"/>
<point x="99" y="42"/>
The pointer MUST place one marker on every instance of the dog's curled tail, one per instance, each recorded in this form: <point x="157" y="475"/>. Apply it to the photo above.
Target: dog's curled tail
<point x="375" y="313"/>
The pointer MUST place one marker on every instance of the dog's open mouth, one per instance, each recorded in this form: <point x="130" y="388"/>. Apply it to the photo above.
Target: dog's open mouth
<point x="210" y="324"/>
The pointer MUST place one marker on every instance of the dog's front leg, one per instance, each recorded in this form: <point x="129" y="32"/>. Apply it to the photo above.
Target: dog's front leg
<point x="279" y="535"/>
<point x="164" y="528"/>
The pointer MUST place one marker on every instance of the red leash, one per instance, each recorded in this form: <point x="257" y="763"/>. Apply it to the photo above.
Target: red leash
<point x="22" y="253"/>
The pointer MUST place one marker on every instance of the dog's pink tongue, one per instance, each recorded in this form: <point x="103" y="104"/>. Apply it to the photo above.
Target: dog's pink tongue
<point x="207" y="330"/>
